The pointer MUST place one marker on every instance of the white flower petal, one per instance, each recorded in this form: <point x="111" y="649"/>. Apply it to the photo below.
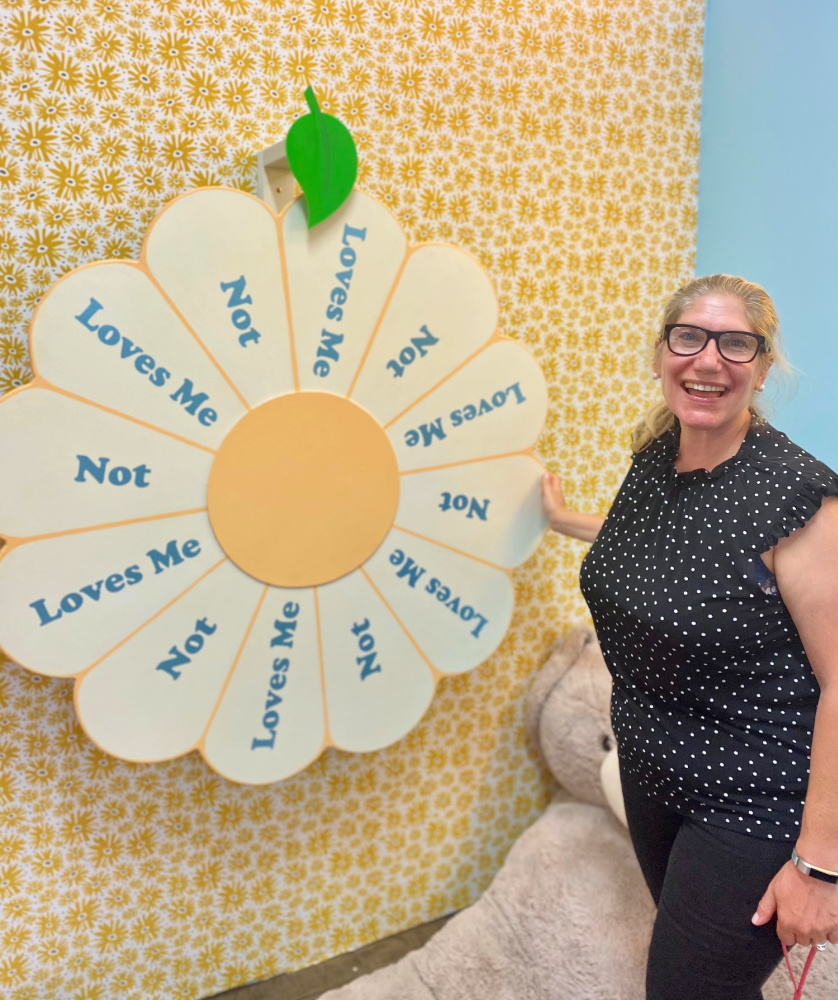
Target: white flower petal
<point x="456" y="608"/>
<point x="215" y="252"/>
<point x="443" y="310"/>
<point x="490" y="509"/>
<point x="152" y="697"/>
<point x="339" y="277"/>
<point x="133" y="354"/>
<point x="111" y="581"/>
<point x="270" y="723"/>
<point x="495" y="405"/>
<point x="378" y="686"/>
<point x="77" y="466"/>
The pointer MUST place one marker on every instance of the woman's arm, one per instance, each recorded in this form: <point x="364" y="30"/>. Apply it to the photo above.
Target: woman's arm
<point x="561" y="518"/>
<point x="806" y="567"/>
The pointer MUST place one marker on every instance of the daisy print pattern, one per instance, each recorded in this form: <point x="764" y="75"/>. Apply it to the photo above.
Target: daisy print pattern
<point x="270" y="484"/>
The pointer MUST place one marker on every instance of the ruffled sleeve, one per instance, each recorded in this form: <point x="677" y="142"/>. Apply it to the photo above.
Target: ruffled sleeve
<point x="803" y="505"/>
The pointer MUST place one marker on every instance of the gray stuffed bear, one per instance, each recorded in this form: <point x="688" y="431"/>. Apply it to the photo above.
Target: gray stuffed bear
<point x="568" y="916"/>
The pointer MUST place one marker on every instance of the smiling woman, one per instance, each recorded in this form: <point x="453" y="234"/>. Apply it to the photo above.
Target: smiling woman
<point x="712" y="588"/>
<point x="734" y="305"/>
<point x="710" y="392"/>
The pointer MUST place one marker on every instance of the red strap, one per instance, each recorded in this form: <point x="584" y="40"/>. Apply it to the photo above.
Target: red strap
<point x="798" y="987"/>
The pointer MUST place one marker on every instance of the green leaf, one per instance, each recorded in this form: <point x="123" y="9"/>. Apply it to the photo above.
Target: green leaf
<point x="322" y="156"/>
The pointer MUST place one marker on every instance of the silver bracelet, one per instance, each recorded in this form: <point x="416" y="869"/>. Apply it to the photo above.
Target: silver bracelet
<point x="824" y="874"/>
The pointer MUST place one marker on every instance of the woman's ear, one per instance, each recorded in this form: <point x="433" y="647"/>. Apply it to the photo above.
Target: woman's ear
<point x="767" y="362"/>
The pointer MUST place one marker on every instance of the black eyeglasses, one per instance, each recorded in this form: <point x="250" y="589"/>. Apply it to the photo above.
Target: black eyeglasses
<point x="733" y="345"/>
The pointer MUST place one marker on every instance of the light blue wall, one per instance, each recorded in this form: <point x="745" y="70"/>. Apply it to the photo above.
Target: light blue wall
<point x="768" y="185"/>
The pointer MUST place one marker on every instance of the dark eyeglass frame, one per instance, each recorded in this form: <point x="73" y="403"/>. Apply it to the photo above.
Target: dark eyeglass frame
<point x="715" y="335"/>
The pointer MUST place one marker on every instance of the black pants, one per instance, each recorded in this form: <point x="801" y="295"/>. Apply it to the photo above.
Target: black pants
<point x="706" y="882"/>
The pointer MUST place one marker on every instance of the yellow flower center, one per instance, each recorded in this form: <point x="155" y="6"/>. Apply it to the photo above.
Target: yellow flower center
<point x="303" y="489"/>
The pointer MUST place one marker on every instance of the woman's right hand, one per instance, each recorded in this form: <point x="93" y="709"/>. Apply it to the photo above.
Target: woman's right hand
<point x="552" y="501"/>
<point x="559" y="516"/>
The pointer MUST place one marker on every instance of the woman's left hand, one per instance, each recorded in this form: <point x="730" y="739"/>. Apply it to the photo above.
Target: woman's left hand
<point x="806" y="908"/>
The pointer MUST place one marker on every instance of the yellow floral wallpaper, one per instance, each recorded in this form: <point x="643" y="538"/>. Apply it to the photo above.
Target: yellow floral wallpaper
<point x="555" y="139"/>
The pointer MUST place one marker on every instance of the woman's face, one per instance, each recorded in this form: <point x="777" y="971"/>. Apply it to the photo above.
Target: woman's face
<point x="731" y="384"/>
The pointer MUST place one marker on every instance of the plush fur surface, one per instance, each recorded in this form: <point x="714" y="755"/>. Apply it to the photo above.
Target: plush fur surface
<point x="578" y="935"/>
<point x="568" y="916"/>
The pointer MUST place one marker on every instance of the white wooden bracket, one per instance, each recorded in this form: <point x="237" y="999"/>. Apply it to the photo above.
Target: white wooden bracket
<point x="274" y="180"/>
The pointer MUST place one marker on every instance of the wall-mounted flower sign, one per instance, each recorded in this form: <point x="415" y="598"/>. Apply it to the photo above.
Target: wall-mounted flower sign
<point x="267" y="485"/>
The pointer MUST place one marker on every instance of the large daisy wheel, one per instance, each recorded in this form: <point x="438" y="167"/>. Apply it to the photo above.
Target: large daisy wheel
<point x="267" y="485"/>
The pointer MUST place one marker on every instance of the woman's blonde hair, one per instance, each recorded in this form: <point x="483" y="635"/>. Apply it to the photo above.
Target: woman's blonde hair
<point x="762" y="318"/>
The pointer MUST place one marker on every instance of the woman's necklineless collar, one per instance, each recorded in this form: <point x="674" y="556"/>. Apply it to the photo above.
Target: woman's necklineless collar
<point x="673" y="442"/>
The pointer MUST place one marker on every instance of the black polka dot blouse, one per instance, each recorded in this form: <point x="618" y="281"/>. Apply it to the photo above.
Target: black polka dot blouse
<point x="714" y="699"/>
